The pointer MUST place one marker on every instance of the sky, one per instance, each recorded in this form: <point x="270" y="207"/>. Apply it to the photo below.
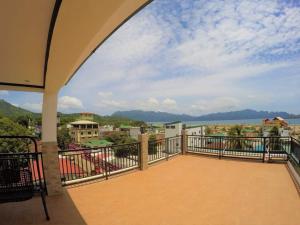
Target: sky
<point x="193" y="57"/>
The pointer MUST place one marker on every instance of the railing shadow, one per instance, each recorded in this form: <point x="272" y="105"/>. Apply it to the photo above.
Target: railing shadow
<point x="62" y="210"/>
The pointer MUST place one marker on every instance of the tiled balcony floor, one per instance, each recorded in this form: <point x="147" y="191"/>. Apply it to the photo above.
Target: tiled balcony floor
<point x="191" y="190"/>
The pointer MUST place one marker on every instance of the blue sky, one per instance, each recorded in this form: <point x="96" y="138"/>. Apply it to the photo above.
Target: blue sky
<point x="193" y="57"/>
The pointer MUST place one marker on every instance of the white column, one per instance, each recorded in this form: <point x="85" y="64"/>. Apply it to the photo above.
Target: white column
<point x="49" y="143"/>
<point x="49" y="117"/>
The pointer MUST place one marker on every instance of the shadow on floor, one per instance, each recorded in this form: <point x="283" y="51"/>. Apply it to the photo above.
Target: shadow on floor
<point x="61" y="209"/>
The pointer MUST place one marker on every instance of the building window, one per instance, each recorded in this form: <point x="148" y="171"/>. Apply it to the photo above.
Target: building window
<point x="96" y="132"/>
<point x="81" y="133"/>
<point x="89" y="132"/>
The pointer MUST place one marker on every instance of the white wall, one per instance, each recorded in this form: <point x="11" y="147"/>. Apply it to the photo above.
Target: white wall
<point x="134" y="132"/>
<point x="196" y="130"/>
<point x="172" y="130"/>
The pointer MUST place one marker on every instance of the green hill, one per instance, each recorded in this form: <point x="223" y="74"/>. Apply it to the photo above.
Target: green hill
<point x="13" y="112"/>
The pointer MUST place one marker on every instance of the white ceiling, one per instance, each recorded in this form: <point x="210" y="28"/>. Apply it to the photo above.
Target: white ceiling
<point x="80" y="26"/>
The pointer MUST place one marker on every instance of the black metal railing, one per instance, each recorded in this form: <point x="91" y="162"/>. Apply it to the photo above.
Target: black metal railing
<point x="21" y="162"/>
<point x="90" y="163"/>
<point x="271" y="148"/>
<point x="295" y="150"/>
<point x="163" y="148"/>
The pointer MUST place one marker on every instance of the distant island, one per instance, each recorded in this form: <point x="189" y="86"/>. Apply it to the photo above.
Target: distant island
<point x="152" y="116"/>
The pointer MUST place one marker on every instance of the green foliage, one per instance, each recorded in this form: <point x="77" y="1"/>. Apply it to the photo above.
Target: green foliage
<point x="63" y="138"/>
<point x="125" y="151"/>
<point x="152" y="147"/>
<point x="10" y="128"/>
<point x="274" y="132"/>
<point x="13" y="112"/>
<point x="208" y="130"/>
<point x="119" y="138"/>
<point x="24" y="120"/>
<point x="274" y="142"/>
<point x="235" y="131"/>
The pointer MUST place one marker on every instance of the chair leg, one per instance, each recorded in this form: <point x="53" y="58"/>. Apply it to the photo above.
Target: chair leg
<point x="44" y="204"/>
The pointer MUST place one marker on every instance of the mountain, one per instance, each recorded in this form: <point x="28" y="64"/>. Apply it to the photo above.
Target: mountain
<point x="151" y="116"/>
<point x="11" y="111"/>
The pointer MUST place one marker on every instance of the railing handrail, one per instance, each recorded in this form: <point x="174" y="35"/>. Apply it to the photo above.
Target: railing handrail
<point x="213" y="136"/>
<point x="97" y="148"/>
<point x="165" y="139"/>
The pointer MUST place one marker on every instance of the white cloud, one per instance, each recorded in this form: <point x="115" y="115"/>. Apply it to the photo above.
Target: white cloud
<point x="169" y="103"/>
<point x="219" y="104"/>
<point x="68" y="102"/>
<point x="189" y="50"/>
<point x="34" y="107"/>
<point x="105" y="94"/>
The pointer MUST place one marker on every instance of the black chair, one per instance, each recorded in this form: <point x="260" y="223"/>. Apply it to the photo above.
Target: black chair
<point x="20" y="174"/>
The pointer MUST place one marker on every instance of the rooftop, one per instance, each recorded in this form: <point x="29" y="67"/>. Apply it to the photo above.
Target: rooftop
<point x="185" y="190"/>
<point x="83" y="122"/>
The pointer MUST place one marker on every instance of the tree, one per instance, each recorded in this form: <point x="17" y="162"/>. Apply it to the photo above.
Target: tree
<point x="236" y="142"/>
<point x="24" y="120"/>
<point x="119" y="138"/>
<point x="63" y="138"/>
<point x="13" y="145"/>
<point x="235" y="131"/>
<point x="274" y="132"/>
<point x="274" y="140"/>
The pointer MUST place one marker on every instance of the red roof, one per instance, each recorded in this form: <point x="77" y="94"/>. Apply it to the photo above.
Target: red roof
<point x="65" y="165"/>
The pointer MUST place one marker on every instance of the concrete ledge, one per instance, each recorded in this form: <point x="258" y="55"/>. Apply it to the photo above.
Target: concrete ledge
<point x="294" y="175"/>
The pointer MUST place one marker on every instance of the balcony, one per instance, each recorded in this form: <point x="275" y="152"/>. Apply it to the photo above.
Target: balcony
<point x="184" y="190"/>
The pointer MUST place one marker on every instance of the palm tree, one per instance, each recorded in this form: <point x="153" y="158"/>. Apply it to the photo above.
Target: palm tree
<point x="236" y="142"/>
<point x="274" y="139"/>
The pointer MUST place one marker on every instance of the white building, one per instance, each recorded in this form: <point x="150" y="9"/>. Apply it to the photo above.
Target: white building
<point x="197" y="130"/>
<point x="173" y="129"/>
<point x="106" y="128"/>
<point x="283" y="132"/>
<point x="134" y="132"/>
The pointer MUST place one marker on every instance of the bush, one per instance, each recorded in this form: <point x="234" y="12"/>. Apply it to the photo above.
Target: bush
<point x="13" y="145"/>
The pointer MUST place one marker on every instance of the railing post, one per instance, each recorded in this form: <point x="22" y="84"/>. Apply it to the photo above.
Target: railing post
<point x="143" y="139"/>
<point x="220" y="147"/>
<point x="105" y="164"/>
<point x="184" y="141"/>
<point x="264" y="151"/>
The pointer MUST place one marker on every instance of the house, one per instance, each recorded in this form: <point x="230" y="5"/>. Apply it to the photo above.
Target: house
<point x="134" y="132"/>
<point x="196" y="130"/>
<point x="106" y="128"/>
<point x="84" y="130"/>
<point x="276" y="121"/>
<point x="86" y="116"/>
<point x="173" y="129"/>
